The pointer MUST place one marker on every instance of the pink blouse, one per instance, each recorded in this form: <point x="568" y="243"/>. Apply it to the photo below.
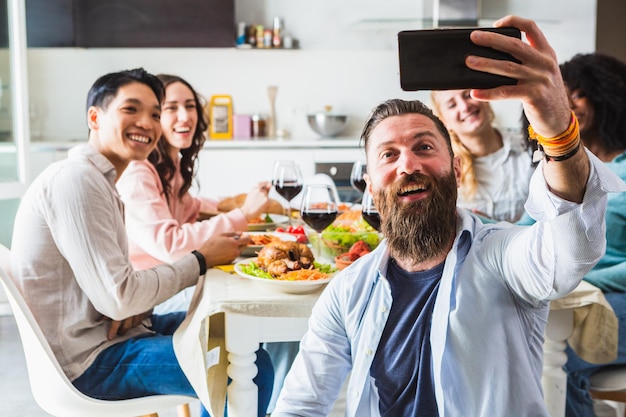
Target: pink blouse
<point x="159" y="232"/>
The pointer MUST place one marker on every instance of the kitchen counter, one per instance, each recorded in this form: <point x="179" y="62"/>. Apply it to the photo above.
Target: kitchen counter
<point x="244" y="161"/>
<point x="339" y="142"/>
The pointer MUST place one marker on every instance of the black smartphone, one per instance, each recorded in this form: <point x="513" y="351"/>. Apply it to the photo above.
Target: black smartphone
<point x="434" y="59"/>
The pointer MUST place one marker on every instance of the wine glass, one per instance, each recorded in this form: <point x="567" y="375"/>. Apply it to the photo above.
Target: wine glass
<point x="287" y="182"/>
<point x="319" y="209"/>
<point x="356" y="176"/>
<point x="369" y="212"/>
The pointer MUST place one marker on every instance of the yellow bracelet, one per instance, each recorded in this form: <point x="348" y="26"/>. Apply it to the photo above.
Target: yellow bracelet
<point x="563" y="146"/>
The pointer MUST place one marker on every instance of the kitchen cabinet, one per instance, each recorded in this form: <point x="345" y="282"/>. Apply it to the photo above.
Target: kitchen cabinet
<point x="126" y="23"/>
<point x="49" y="23"/>
<point x="155" y="23"/>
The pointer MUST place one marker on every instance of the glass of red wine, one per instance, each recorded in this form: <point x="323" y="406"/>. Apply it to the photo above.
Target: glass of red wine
<point x="319" y="209"/>
<point x="369" y="212"/>
<point x="356" y="176"/>
<point x="287" y="182"/>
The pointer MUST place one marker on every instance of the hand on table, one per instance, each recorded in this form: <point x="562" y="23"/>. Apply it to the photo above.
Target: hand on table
<point x="257" y="201"/>
<point x="223" y="249"/>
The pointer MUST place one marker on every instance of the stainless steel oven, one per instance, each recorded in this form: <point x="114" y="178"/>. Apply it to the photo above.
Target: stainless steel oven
<point x="340" y="173"/>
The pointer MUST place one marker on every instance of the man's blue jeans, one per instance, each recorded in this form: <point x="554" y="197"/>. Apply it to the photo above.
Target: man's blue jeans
<point x="147" y="365"/>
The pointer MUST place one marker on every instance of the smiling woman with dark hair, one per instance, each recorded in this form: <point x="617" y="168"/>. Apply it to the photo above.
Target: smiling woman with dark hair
<point x="596" y="84"/>
<point x="597" y="87"/>
<point x="161" y="214"/>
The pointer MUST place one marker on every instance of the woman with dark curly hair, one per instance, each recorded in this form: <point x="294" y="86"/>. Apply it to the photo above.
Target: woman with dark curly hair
<point x="596" y="84"/>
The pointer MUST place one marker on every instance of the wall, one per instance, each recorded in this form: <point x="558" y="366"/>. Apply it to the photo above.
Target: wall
<point x="349" y="62"/>
<point x="611" y="33"/>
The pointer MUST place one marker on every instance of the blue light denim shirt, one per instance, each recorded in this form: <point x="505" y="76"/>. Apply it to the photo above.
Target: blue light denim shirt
<point x="488" y="321"/>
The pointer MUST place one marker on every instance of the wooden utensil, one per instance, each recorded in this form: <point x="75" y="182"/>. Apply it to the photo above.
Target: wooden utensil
<point x="272" y="90"/>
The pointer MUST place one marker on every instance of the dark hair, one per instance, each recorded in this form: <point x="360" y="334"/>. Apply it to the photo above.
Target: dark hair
<point x="398" y="107"/>
<point x="602" y="80"/>
<point x="160" y="156"/>
<point x="104" y="90"/>
<point x="531" y="145"/>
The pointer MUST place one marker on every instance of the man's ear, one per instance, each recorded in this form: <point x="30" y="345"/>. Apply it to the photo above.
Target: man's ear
<point x="456" y="165"/>
<point x="93" y="115"/>
<point x="368" y="182"/>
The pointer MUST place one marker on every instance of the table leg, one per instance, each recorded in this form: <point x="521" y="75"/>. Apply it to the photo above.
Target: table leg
<point x="554" y="380"/>
<point x="242" y="341"/>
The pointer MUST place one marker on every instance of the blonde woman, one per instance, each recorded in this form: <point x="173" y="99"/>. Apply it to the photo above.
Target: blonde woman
<point x="495" y="164"/>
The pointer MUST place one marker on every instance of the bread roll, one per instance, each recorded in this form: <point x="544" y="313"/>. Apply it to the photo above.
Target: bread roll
<point x="230" y="203"/>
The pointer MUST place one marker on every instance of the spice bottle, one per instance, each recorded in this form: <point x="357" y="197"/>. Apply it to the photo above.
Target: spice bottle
<point x="259" y="36"/>
<point x="267" y="38"/>
<point x="277" y="39"/>
<point x="259" y="126"/>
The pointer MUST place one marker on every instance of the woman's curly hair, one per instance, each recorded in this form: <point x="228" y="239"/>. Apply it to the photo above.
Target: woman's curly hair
<point x="602" y="80"/>
<point x="160" y="156"/>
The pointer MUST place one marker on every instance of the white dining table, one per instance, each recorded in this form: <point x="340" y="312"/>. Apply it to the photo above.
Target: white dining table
<point x="239" y="315"/>
<point x="242" y="315"/>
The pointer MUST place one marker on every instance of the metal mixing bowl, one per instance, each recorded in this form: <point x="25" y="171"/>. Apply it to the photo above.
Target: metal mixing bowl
<point x="327" y="125"/>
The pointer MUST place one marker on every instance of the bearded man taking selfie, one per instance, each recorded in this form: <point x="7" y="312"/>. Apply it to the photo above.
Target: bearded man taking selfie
<point x="446" y="317"/>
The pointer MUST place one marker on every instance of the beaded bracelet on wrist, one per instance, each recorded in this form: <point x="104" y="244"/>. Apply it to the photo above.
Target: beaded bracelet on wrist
<point x="558" y="148"/>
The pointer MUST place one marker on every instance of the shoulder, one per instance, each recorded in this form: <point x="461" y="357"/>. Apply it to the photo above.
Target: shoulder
<point x="74" y="173"/>
<point x="138" y="175"/>
<point x="515" y="141"/>
<point x="139" y="168"/>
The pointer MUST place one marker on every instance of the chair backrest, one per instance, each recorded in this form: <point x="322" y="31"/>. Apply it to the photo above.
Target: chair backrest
<point x="51" y="388"/>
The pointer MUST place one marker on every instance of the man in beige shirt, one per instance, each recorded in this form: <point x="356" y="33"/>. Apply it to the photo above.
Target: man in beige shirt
<point x="70" y="256"/>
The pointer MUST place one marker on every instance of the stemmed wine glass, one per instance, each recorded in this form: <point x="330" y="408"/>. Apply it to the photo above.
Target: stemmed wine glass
<point x="369" y="212"/>
<point x="319" y="209"/>
<point x="356" y="176"/>
<point x="287" y="181"/>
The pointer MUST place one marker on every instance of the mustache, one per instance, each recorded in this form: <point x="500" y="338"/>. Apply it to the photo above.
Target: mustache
<point x="425" y="182"/>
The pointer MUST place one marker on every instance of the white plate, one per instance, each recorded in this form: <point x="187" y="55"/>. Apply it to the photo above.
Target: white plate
<point x="251" y="250"/>
<point x="289" y="287"/>
<point x="276" y="220"/>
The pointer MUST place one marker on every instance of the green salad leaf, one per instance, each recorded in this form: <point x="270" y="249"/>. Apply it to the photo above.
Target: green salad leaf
<point x="252" y="268"/>
<point x="344" y="237"/>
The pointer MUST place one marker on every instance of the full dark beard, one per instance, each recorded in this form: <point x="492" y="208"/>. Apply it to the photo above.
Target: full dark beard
<point x="423" y="229"/>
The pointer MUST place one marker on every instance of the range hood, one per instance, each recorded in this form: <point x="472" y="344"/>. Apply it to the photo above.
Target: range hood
<point x="450" y="13"/>
<point x="435" y="13"/>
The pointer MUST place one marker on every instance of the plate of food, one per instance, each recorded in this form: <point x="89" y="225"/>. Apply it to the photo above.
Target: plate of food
<point x="260" y="239"/>
<point x="287" y="267"/>
<point x="266" y="221"/>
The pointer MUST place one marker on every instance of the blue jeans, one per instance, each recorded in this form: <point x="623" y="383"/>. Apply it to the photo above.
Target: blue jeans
<point x="282" y="355"/>
<point x="147" y="365"/>
<point x="579" y="402"/>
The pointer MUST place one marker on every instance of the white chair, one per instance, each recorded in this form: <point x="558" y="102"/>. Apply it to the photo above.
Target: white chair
<point x="609" y="385"/>
<point x="51" y="388"/>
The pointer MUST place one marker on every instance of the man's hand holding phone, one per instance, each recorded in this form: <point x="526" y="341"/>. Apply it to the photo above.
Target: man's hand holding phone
<point x="434" y="59"/>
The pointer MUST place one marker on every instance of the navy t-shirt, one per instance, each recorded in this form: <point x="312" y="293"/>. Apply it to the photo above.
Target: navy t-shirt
<point x="402" y="365"/>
